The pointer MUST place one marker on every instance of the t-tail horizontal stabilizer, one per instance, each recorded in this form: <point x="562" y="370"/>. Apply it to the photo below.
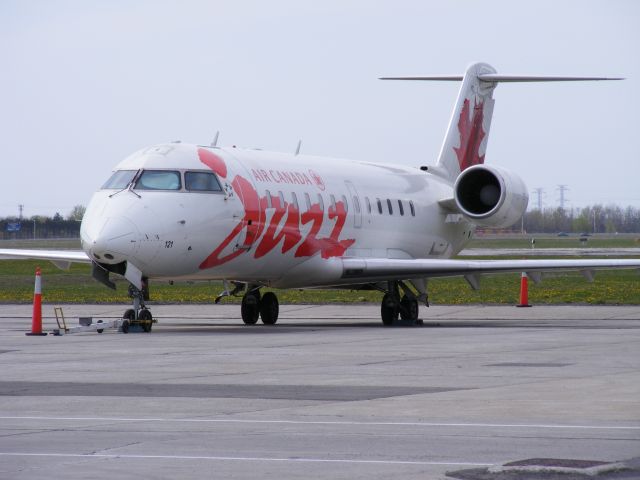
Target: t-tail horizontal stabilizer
<point x="465" y="142"/>
<point x="490" y="77"/>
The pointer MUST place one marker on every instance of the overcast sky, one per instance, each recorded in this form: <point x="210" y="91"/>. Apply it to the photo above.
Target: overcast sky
<point x="85" y="83"/>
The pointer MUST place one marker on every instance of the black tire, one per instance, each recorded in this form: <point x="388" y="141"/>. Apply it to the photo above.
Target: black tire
<point x="128" y="317"/>
<point x="409" y="309"/>
<point x="146" y="320"/>
<point x="250" y="308"/>
<point x="269" y="308"/>
<point x="389" y="309"/>
<point x="100" y="330"/>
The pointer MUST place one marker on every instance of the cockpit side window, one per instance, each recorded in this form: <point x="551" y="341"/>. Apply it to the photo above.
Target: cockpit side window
<point x="119" y="179"/>
<point x="159" y="180"/>
<point x="201" y="182"/>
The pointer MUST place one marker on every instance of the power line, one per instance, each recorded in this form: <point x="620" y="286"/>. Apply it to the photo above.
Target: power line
<point x="563" y="200"/>
<point x="539" y="191"/>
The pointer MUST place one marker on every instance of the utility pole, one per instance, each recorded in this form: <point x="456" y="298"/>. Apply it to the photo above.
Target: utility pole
<point x="20" y="208"/>
<point x="562" y="189"/>
<point x="538" y="191"/>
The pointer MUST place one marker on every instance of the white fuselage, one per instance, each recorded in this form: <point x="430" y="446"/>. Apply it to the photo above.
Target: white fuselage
<point x="279" y="219"/>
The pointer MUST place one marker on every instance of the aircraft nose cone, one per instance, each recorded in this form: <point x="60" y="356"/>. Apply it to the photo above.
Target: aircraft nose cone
<point x="113" y="241"/>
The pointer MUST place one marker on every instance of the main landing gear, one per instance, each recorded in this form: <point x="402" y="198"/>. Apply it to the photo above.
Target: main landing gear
<point x="395" y="306"/>
<point x="139" y="314"/>
<point x="253" y="306"/>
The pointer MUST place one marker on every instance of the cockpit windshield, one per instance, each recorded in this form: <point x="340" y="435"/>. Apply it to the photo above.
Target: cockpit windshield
<point x="201" y="182"/>
<point x="119" y="180"/>
<point x="198" y="181"/>
<point x="159" y="180"/>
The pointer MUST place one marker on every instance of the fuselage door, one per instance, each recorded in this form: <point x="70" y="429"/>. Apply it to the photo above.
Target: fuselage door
<point x="355" y="204"/>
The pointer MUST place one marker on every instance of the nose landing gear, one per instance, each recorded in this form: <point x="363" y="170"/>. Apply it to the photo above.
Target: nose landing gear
<point x="139" y="315"/>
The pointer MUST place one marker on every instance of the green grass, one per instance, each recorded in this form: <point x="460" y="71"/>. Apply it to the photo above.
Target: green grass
<point x="553" y="241"/>
<point x="56" y="243"/>
<point x="77" y="286"/>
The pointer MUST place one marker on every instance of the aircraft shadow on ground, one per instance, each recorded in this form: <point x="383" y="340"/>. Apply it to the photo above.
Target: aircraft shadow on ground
<point x="294" y="327"/>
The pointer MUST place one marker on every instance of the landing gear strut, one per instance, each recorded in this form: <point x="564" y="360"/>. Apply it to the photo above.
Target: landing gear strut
<point x="139" y="314"/>
<point x="394" y="306"/>
<point x="254" y="306"/>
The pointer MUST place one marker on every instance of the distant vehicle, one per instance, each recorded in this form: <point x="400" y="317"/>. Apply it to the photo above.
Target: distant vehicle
<point x="585" y="234"/>
<point x="563" y="234"/>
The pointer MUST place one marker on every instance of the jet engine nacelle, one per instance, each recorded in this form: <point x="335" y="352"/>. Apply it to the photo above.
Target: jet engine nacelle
<point x="490" y="196"/>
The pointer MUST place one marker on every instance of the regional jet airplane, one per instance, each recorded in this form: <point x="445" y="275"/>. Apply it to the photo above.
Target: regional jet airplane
<point x="259" y="219"/>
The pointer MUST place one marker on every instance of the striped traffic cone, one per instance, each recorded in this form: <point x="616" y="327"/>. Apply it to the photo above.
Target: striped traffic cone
<point x="36" y="319"/>
<point x="524" y="291"/>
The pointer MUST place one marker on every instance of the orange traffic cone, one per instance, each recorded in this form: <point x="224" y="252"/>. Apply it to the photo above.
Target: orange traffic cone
<point x="524" y="291"/>
<point x="36" y="320"/>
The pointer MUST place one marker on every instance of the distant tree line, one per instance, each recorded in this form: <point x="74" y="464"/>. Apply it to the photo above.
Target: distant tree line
<point x="40" y="226"/>
<point x="592" y="219"/>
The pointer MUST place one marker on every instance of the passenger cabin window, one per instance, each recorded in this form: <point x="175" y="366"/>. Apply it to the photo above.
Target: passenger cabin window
<point x="281" y="195"/>
<point x="321" y="202"/>
<point x="412" y="208"/>
<point x="356" y="203"/>
<point x="401" y="207"/>
<point x="333" y="201"/>
<point x="389" y="207"/>
<point x="379" y="205"/>
<point x="366" y="200"/>
<point x="269" y="203"/>
<point x="346" y="204"/>
<point x="307" y="200"/>
<point x="119" y="180"/>
<point x="159" y="180"/>
<point x="201" y="182"/>
<point x="295" y="200"/>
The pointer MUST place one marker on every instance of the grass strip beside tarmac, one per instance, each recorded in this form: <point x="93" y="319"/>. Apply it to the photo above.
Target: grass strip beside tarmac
<point x="77" y="286"/>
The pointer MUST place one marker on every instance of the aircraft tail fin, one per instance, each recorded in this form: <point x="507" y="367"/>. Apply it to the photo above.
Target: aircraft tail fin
<point x="465" y="142"/>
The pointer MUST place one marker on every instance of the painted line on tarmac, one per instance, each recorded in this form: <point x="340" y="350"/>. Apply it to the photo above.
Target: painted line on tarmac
<point x="245" y="459"/>
<point x="323" y="422"/>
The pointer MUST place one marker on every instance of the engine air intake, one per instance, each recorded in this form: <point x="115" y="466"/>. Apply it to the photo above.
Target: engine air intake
<point x="490" y="196"/>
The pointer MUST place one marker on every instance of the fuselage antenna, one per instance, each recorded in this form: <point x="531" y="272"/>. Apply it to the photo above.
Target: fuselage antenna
<point x="215" y="140"/>
<point x="298" y="147"/>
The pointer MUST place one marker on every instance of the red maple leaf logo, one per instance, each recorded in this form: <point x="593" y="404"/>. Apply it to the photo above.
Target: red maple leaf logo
<point x="471" y="135"/>
<point x="317" y="179"/>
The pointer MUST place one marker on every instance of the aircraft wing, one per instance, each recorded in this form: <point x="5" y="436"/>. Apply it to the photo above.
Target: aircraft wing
<point x="60" y="258"/>
<point x="372" y="269"/>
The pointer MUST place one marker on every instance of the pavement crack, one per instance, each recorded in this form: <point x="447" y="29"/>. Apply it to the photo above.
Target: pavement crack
<point x="110" y="449"/>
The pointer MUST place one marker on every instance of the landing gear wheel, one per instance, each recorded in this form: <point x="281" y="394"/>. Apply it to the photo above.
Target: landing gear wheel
<point x="250" y="308"/>
<point x="146" y="320"/>
<point x="129" y="316"/>
<point x="269" y="308"/>
<point x="408" y="308"/>
<point x="100" y="330"/>
<point x="389" y="309"/>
